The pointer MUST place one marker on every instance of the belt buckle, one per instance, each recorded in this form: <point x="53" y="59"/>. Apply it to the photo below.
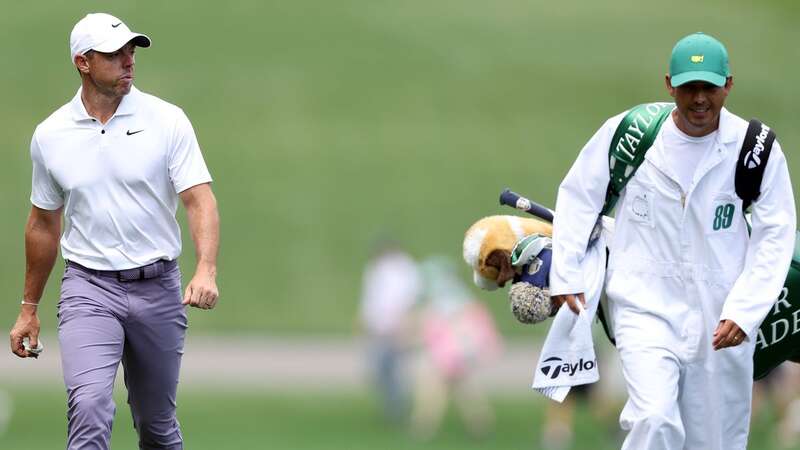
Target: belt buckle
<point x="147" y="272"/>
<point x="153" y="270"/>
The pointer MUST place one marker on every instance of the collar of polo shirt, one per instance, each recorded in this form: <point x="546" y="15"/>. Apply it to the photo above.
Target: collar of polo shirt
<point x="126" y="107"/>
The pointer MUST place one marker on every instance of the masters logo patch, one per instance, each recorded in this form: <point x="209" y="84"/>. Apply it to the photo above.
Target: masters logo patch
<point x="697" y="59"/>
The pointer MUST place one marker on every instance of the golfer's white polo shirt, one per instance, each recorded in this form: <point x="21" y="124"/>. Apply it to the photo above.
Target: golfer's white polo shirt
<point x="118" y="182"/>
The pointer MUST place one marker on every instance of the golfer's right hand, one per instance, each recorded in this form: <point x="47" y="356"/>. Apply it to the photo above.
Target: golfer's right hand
<point x="571" y="300"/>
<point x="27" y="326"/>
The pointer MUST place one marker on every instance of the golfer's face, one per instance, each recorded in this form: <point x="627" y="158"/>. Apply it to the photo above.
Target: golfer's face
<point x="113" y="72"/>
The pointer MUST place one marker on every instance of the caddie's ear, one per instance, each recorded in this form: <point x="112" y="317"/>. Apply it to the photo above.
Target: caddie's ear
<point x="668" y="82"/>
<point x="728" y="85"/>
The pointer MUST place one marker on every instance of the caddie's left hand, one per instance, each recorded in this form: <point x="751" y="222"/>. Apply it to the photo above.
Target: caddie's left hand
<point x="202" y="291"/>
<point x="727" y="334"/>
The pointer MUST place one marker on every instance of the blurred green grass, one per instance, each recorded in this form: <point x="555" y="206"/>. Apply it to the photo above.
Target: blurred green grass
<point x="223" y="420"/>
<point x="326" y="124"/>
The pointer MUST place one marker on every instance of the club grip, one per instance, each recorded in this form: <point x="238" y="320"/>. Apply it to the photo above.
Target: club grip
<point x="514" y="200"/>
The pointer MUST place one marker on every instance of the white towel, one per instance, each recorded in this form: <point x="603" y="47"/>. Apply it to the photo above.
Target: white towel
<point x="567" y="358"/>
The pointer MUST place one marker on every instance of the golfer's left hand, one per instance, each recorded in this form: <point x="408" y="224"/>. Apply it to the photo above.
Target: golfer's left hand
<point x="727" y="334"/>
<point x="202" y="291"/>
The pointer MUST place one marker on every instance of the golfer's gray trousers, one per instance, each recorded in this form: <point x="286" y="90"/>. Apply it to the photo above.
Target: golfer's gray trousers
<point x="102" y="321"/>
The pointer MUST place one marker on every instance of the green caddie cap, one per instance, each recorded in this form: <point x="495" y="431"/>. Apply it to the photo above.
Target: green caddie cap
<point x="699" y="57"/>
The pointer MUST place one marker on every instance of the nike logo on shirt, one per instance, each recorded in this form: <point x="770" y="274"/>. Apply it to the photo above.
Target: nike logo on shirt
<point x="131" y="133"/>
<point x="115" y="26"/>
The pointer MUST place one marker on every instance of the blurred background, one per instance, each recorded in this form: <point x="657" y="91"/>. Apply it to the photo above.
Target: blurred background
<point x="340" y="134"/>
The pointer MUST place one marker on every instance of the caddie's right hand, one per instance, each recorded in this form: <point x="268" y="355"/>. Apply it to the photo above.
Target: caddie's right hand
<point x="571" y="300"/>
<point x="27" y="326"/>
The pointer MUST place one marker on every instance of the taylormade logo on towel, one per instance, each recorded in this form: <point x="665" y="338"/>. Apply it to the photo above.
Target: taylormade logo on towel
<point x="753" y="157"/>
<point x="556" y="365"/>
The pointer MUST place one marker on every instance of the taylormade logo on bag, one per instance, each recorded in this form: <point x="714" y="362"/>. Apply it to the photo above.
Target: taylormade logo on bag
<point x="558" y="367"/>
<point x="781" y="323"/>
<point x="628" y="143"/>
<point x="752" y="159"/>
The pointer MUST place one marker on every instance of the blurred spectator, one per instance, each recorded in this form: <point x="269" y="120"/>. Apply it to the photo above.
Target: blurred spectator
<point x="457" y="335"/>
<point x="390" y="290"/>
<point x="778" y="394"/>
<point x="6" y="410"/>
<point x="557" y="430"/>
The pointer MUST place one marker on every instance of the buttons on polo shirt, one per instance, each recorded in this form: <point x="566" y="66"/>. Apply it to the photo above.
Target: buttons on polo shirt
<point x="106" y="135"/>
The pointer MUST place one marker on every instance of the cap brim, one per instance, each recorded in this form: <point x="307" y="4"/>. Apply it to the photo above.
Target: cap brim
<point x="687" y="77"/>
<point x="112" y="45"/>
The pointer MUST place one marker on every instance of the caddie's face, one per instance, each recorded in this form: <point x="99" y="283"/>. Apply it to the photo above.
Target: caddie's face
<point x="698" y="105"/>
<point x="111" y="73"/>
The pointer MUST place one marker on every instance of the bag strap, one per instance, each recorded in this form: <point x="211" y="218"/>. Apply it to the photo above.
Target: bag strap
<point x="753" y="158"/>
<point x="634" y="135"/>
<point x="632" y="138"/>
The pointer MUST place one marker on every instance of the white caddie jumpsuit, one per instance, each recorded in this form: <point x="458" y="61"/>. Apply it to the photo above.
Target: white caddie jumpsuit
<point x="673" y="275"/>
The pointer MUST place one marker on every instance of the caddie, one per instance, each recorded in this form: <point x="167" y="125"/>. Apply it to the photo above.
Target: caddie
<point x="687" y="282"/>
<point x="112" y="164"/>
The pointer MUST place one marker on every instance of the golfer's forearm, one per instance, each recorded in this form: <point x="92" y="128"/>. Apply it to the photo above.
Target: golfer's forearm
<point x="204" y="226"/>
<point x="41" y="250"/>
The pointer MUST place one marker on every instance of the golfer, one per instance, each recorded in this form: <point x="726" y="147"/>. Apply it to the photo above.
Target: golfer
<point x="111" y="165"/>
<point x="688" y="284"/>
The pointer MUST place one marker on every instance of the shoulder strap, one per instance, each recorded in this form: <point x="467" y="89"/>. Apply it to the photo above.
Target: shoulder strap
<point x="633" y="137"/>
<point x="753" y="158"/>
